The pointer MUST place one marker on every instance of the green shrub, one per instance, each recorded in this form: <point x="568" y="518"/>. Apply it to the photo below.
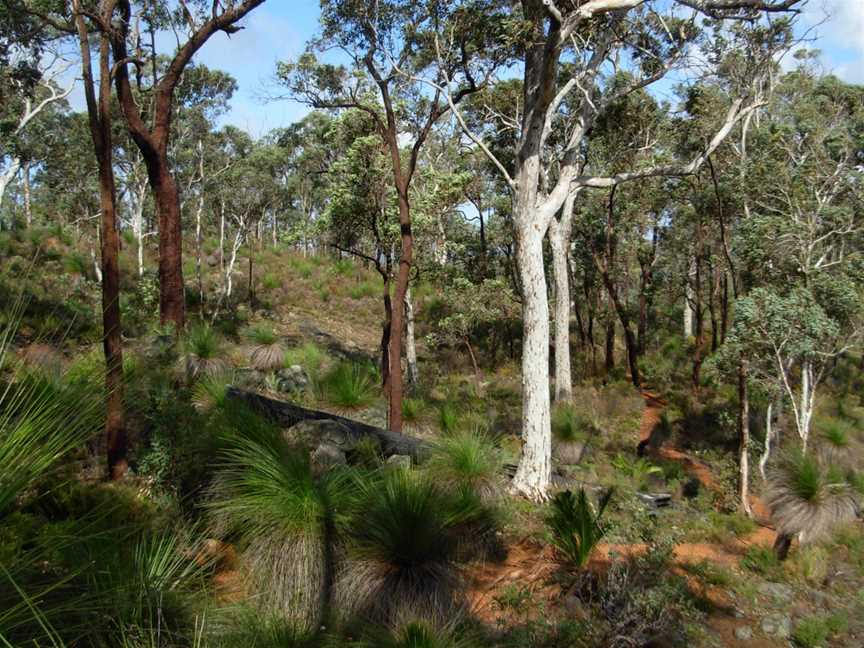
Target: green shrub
<point x="344" y="267"/>
<point x="411" y="408"/>
<point x="575" y="527"/>
<point x="568" y="425"/>
<point x="362" y="289"/>
<point x="415" y="634"/>
<point x="761" y="560"/>
<point x="815" y="631"/>
<point x="309" y="356"/>
<point x="835" y="434"/>
<point x="348" y="385"/>
<point x="76" y="263"/>
<point x="468" y="460"/>
<point x="448" y="417"/>
<point x="270" y="281"/>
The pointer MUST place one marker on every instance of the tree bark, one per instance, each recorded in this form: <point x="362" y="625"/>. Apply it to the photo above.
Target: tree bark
<point x="744" y="437"/>
<point x="410" y="343"/>
<point x="99" y="118"/>
<point x="559" y="240"/>
<point x="534" y="473"/>
<point x="25" y="181"/>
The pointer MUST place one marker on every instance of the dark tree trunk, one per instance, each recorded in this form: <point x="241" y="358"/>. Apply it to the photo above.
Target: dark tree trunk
<point x="698" y="312"/>
<point x="99" y="118"/>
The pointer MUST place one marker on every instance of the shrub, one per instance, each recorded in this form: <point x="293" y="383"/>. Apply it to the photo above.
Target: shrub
<point x="202" y="352"/>
<point x="414" y="634"/>
<point x="270" y="281"/>
<point x="343" y="267"/>
<point x="761" y="561"/>
<point x="210" y="392"/>
<point x="835" y="434"/>
<point x="411" y="408"/>
<point x="348" y="385"/>
<point x="267" y="352"/>
<point x="815" y="631"/>
<point x="448" y="417"/>
<point x="468" y="460"/>
<point x="575" y="526"/>
<point x="309" y="356"/>
<point x="362" y="289"/>
<point x="402" y="546"/>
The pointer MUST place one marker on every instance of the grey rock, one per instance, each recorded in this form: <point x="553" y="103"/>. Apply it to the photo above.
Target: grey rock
<point x="292" y="379"/>
<point x="739" y="614"/>
<point x="400" y="461"/>
<point x="312" y="434"/>
<point x="778" y="625"/>
<point x="777" y="592"/>
<point x="327" y="456"/>
<point x="250" y="378"/>
<point x="655" y="500"/>
<point x="744" y="633"/>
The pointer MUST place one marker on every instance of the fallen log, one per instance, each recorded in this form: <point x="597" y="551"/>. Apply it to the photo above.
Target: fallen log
<point x="285" y="414"/>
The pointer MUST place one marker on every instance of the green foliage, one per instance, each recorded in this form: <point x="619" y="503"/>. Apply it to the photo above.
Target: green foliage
<point x="348" y="385"/>
<point x="816" y="631"/>
<point x="415" y="634"/>
<point x="203" y="349"/>
<point x="266" y="495"/>
<point x="411" y="408"/>
<point x="568" y="425"/>
<point x="835" y="433"/>
<point x="448" y="417"/>
<point x="267" y="352"/>
<point x="575" y="526"/>
<point x="808" y="496"/>
<point x="309" y="356"/>
<point x="470" y="460"/>
<point x="270" y="281"/>
<point x="402" y="548"/>
<point x="639" y="470"/>
<point x="362" y="290"/>
<point x="763" y="561"/>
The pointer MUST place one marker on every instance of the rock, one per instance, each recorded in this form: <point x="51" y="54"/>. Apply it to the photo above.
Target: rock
<point x="777" y="592"/>
<point x="778" y="625"/>
<point x="327" y="456"/>
<point x="569" y="452"/>
<point x="292" y="379"/>
<point x="739" y="614"/>
<point x="250" y="378"/>
<point x="400" y="461"/>
<point x="313" y="433"/>
<point x="655" y="500"/>
<point x="744" y="633"/>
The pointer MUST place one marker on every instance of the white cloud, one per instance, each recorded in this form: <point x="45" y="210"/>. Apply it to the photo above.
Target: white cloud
<point x="839" y="28"/>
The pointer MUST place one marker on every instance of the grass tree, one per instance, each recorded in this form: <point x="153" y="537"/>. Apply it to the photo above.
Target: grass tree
<point x="808" y="496"/>
<point x="266" y="495"/>
<point x="267" y="351"/>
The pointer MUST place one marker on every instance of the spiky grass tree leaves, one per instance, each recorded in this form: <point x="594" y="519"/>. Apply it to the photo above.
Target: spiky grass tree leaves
<point x="412" y="634"/>
<point x="266" y="496"/>
<point x="267" y="352"/>
<point x="203" y="350"/>
<point x="808" y="496"/>
<point x="402" y="547"/>
<point x="575" y="526"/>
<point x="468" y="459"/>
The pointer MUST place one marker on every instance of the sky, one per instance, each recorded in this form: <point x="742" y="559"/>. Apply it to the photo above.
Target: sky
<point x="279" y="29"/>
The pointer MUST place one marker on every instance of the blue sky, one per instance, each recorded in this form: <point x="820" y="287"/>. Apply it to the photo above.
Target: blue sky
<point x="279" y="29"/>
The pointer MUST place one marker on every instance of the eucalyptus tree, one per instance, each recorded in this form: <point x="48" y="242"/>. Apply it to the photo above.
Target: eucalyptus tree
<point x="29" y="92"/>
<point x="801" y="244"/>
<point x="389" y="45"/>
<point x="565" y="49"/>
<point x="360" y="212"/>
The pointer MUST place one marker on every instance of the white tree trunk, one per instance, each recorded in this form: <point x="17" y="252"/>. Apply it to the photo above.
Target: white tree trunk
<point x="769" y="439"/>
<point x="559" y="239"/>
<point x="808" y="391"/>
<point x="688" y="309"/>
<point x="410" y="344"/>
<point x="222" y="237"/>
<point x="534" y="473"/>
<point x="25" y="180"/>
<point x="229" y="269"/>
<point x="7" y="176"/>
